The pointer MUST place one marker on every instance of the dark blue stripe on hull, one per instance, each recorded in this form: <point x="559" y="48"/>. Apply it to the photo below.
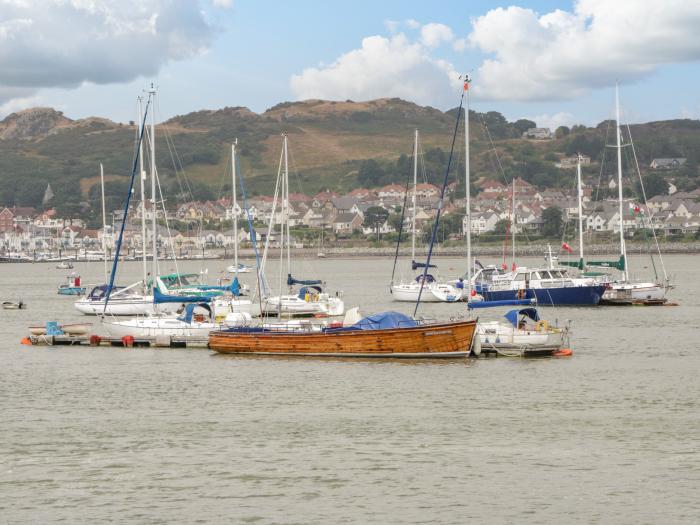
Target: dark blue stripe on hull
<point x="567" y="296"/>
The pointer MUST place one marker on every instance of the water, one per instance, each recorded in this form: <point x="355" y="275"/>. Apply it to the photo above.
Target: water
<point x="180" y="436"/>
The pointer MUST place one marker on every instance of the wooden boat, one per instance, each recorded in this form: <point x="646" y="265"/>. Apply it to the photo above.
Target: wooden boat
<point x="371" y="337"/>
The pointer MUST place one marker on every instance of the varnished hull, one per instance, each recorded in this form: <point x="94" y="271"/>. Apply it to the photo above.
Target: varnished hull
<point x="425" y="341"/>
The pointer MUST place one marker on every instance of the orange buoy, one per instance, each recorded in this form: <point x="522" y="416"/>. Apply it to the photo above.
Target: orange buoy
<point x="95" y="340"/>
<point x="26" y="341"/>
<point x="564" y="352"/>
<point x="128" y="340"/>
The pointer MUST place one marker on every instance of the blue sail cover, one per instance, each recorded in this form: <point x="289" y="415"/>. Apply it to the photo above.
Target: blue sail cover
<point x="291" y="281"/>
<point x="512" y="316"/>
<point x="473" y="305"/>
<point x="236" y="287"/>
<point x="384" y="320"/>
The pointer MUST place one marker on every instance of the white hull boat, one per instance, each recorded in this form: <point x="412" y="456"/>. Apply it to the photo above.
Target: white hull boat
<point x="123" y="306"/>
<point x="323" y="304"/>
<point x="224" y="306"/>
<point x="432" y="293"/>
<point x="624" y="292"/>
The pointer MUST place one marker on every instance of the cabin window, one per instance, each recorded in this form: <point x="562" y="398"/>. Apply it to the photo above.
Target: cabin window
<point x="545" y="274"/>
<point x="519" y="277"/>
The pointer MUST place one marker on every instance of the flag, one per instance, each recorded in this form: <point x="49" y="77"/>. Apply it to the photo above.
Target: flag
<point x="567" y="247"/>
<point x="466" y="85"/>
<point x="514" y="267"/>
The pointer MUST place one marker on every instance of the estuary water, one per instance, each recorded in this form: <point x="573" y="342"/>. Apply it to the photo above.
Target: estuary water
<point x="610" y="435"/>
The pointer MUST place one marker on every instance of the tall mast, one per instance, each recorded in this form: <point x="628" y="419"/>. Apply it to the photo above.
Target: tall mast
<point x="142" y="179"/>
<point x="233" y="207"/>
<point x="467" y="183"/>
<point x="154" y="223"/>
<point x="512" y="223"/>
<point x="286" y="203"/>
<point x="580" y="214"/>
<point x="623" y="253"/>
<point x="413" y="195"/>
<point x="104" y="223"/>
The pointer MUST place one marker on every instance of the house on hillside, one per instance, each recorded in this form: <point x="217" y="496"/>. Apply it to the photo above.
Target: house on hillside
<point x="668" y="164"/>
<point x="538" y="134"/>
<point x="572" y="162"/>
<point x="347" y="223"/>
<point x="391" y="191"/>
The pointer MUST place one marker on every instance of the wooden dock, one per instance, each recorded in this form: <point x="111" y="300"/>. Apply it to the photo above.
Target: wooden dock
<point x="97" y="340"/>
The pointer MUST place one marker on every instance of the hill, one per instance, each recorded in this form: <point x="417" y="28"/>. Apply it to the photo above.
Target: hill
<point x="337" y="145"/>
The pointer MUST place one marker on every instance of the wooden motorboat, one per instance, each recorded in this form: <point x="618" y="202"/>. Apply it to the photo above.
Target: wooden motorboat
<point x="388" y="334"/>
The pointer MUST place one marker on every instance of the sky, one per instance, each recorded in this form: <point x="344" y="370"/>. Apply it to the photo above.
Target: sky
<point x="555" y="62"/>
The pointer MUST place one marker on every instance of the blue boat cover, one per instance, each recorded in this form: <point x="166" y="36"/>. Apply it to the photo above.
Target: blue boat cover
<point x="310" y="290"/>
<point x="512" y="316"/>
<point x="189" y="311"/>
<point x="236" y="287"/>
<point x="384" y="320"/>
<point x="291" y="281"/>
<point x="473" y="305"/>
<point x="428" y="278"/>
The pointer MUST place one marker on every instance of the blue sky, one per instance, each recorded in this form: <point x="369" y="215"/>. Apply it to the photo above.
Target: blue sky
<point x="555" y="62"/>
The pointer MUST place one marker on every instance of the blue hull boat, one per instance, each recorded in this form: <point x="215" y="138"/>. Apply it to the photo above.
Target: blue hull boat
<point x="71" y="290"/>
<point x="564" y="296"/>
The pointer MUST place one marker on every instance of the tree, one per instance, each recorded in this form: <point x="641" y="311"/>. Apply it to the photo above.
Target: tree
<point x="375" y="216"/>
<point x="523" y="125"/>
<point x="370" y="174"/>
<point x="654" y="184"/>
<point x="561" y="132"/>
<point x="395" y="221"/>
<point x="552" y="222"/>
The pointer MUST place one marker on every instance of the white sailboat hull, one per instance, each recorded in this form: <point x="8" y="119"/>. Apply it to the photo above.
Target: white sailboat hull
<point x="224" y="306"/>
<point x="432" y="293"/>
<point x="141" y="305"/>
<point x="294" y="305"/>
<point x="625" y="291"/>
<point x="505" y="339"/>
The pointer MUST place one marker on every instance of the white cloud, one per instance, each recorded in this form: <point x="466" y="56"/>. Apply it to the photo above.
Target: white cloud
<point x="432" y="35"/>
<point x="562" y="54"/>
<point x="460" y="44"/>
<point x="18" y="104"/>
<point x="382" y="67"/>
<point x="554" y="121"/>
<point x="223" y="4"/>
<point x="63" y="43"/>
<point x="412" y="24"/>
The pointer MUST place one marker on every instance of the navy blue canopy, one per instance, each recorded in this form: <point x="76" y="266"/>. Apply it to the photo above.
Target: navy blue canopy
<point x="512" y="316"/>
<point x="384" y="320"/>
<point x="310" y="290"/>
<point x="428" y="278"/>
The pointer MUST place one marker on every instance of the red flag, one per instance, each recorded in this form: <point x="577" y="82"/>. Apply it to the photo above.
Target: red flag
<point x="466" y="85"/>
<point x="567" y="247"/>
<point x="514" y="267"/>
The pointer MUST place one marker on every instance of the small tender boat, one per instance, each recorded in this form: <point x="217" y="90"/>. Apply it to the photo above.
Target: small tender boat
<point x="64" y="265"/>
<point x="11" y="305"/>
<point x="387" y="334"/>
<point x="72" y="286"/>
<point x="524" y="335"/>
<point x="69" y="329"/>
<point x="242" y="268"/>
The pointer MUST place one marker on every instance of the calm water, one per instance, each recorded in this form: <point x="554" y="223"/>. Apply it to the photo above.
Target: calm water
<point x="179" y="436"/>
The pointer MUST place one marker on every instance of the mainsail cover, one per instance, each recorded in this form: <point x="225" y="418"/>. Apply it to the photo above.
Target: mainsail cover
<point x="291" y="281"/>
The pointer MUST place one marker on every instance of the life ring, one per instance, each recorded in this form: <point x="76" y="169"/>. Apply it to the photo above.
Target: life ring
<point x="542" y="326"/>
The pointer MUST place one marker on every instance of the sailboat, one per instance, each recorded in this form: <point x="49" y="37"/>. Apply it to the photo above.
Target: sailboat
<point x="524" y="334"/>
<point x="310" y="298"/>
<point x="424" y="285"/>
<point x="622" y="290"/>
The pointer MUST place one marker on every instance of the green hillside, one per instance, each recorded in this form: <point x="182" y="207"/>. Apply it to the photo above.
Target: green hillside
<point x="336" y="145"/>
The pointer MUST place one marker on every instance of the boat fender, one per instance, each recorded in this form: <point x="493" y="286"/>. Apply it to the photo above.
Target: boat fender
<point x="564" y="352"/>
<point x="26" y="341"/>
<point x="95" y="340"/>
<point x="542" y="326"/>
<point x="128" y="340"/>
<point x="476" y="345"/>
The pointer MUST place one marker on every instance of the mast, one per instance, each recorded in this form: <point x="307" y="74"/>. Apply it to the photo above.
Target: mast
<point x="104" y="222"/>
<point x="467" y="182"/>
<point x="580" y="214"/>
<point x="413" y="196"/>
<point x="142" y="179"/>
<point x="233" y="207"/>
<point x="623" y="254"/>
<point x="512" y="224"/>
<point x="285" y="203"/>
<point x="154" y="223"/>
